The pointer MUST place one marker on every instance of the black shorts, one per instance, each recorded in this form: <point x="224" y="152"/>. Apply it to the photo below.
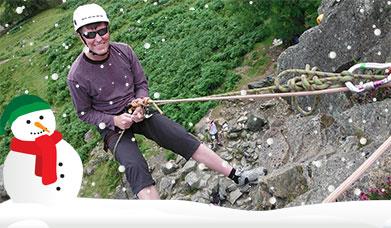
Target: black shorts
<point x="158" y="128"/>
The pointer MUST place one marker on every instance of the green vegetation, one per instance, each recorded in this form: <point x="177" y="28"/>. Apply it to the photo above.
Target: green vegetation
<point x="195" y="47"/>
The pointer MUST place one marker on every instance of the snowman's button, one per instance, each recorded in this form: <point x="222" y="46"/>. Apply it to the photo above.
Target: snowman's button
<point x="60" y="164"/>
<point x="58" y="188"/>
<point x="62" y="175"/>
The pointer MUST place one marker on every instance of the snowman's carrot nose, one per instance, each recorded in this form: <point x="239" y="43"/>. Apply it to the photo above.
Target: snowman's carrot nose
<point x="39" y="125"/>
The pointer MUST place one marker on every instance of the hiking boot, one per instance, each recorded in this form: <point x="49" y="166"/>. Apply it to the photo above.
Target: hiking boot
<point x="250" y="176"/>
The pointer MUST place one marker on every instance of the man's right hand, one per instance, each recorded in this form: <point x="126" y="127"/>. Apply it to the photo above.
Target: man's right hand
<point x="123" y="121"/>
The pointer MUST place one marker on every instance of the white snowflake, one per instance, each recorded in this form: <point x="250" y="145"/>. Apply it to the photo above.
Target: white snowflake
<point x="163" y="40"/>
<point x="331" y="188"/>
<point x="270" y="141"/>
<point x="55" y="76"/>
<point x="156" y="95"/>
<point x="349" y="47"/>
<point x="190" y="124"/>
<point x="361" y="10"/>
<point x="111" y="102"/>
<point x="121" y="168"/>
<point x="102" y="66"/>
<point x="133" y="139"/>
<point x="357" y="191"/>
<point x="19" y="10"/>
<point x="82" y="113"/>
<point x="377" y="32"/>
<point x="191" y="8"/>
<point x="93" y="184"/>
<point x="363" y="141"/>
<point x="126" y="84"/>
<point x="147" y="45"/>
<point x="332" y="55"/>
<point x="26" y="91"/>
<point x="243" y="92"/>
<point x="77" y="85"/>
<point x="272" y="200"/>
<point x="102" y="125"/>
<point x="206" y="6"/>
<point x="121" y="10"/>
<point x="56" y="25"/>
<point x="64" y="115"/>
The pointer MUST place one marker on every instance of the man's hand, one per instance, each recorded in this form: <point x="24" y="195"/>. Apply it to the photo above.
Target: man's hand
<point x="138" y="114"/>
<point x="123" y="121"/>
<point x="143" y="101"/>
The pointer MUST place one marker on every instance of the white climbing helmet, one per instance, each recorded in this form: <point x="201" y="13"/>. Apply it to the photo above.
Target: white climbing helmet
<point x="88" y="14"/>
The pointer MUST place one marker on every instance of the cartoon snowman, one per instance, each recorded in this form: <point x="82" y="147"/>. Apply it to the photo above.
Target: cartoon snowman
<point x="41" y="166"/>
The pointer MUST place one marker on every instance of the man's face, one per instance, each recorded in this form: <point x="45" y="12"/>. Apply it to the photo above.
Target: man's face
<point x="98" y="44"/>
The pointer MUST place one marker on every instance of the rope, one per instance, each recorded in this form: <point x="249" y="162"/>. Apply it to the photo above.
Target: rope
<point x="349" y="181"/>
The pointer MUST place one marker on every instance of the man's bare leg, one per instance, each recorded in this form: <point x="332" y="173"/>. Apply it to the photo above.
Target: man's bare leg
<point x="149" y="193"/>
<point x="213" y="161"/>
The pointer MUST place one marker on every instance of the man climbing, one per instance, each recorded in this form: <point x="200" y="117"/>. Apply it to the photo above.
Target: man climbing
<point x="104" y="79"/>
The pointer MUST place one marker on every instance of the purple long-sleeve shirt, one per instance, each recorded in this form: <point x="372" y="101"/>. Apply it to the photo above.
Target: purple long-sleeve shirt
<point x="101" y="90"/>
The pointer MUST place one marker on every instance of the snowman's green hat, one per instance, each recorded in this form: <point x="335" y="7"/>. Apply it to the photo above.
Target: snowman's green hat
<point x="20" y="106"/>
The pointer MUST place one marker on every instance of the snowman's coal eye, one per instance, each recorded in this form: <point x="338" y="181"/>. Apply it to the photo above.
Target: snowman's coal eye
<point x="41" y="117"/>
<point x="28" y="121"/>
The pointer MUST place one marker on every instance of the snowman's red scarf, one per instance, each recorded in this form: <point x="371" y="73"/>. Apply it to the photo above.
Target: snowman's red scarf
<point x="44" y="148"/>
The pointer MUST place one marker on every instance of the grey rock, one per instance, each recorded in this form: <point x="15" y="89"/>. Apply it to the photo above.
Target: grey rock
<point x="169" y="167"/>
<point x="189" y="166"/>
<point x="193" y="180"/>
<point x="233" y="196"/>
<point x="3" y="194"/>
<point x="255" y="123"/>
<point x="88" y="136"/>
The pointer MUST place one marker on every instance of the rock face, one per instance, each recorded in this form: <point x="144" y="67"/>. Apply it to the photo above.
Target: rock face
<point x="352" y="31"/>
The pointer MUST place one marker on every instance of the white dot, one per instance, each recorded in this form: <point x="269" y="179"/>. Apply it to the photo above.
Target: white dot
<point x="377" y="32"/>
<point x="127" y="84"/>
<point x="243" y="92"/>
<point x="315" y="132"/>
<point x="19" y="10"/>
<point x="361" y="10"/>
<point x="362" y="154"/>
<point x="111" y="102"/>
<point x="272" y="200"/>
<point x="349" y="47"/>
<point x="77" y="85"/>
<point x="379" y="53"/>
<point x="121" y="168"/>
<point x="147" y="45"/>
<point x="271" y="188"/>
<point x="156" y="95"/>
<point x="93" y="184"/>
<point x="191" y="8"/>
<point x="190" y="124"/>
<point x="269" y="141"/>
<point x="109" y="64"/>
<point x="100" y="89"/>
<point x="377" y="163"/>
<point x="251" y="2"/>
<point x="364" y="121"/>
<point x="55" y="76"/>
<point x="332" y="55"/>
<point x="102" y="125"/>
<point x="357" y="192"/>
<point x="124" y="189"/>
<point x="133" y="139"/>
<point x="173" y="181"/>
<point x="64" y="115"/>
<point x="374" y="99"/>
<point x="112" y="83"/>
<point x="155" y="3"/>
<point x="163" y="40"/>
<point x="82" y="113"/>
<point x="64" y="1"/>
<point x="350" y="120"/>
<point x="386" y="110"/>
<point x="363" y="141"/>
<point x="138" y="21"/>
<point x="343" y="159"/>
<point x="46" y="77"/>
<point x="213" y="137"/>
<point x="373" y="26"/>
<point x="31" y="43"/>
<point x="56" y="25"/>
<point x="331" y="188"/>
<point x="26" y="91"/>
<point x="317" y="163"/>
<point x="102" y="66"/>
<point x="206" y="6"/>
<point x="309" y="108"/>
<point x="121" y="10"/>
<point x="388" y="2"/>
<point x="148" y="191"/>
<point x="270" y="154"/>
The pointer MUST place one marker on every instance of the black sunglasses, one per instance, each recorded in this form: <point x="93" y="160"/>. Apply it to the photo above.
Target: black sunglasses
<point x="92" y="35"/>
